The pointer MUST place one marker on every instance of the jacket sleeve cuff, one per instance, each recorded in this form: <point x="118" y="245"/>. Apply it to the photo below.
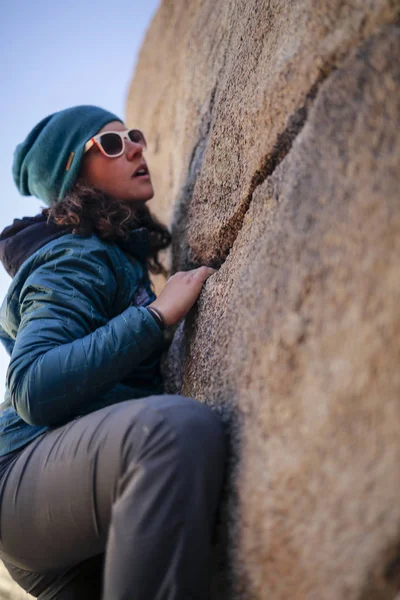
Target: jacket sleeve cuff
<point x="155" y="335"/>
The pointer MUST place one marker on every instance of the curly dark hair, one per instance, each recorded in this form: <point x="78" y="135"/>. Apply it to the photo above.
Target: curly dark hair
<point x="89" y="210"/>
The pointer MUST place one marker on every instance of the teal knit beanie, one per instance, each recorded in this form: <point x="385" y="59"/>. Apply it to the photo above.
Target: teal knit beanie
<point x="46" y="164"/>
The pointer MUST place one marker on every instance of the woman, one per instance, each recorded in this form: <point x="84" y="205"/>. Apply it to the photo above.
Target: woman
<point x="108" y="488"/>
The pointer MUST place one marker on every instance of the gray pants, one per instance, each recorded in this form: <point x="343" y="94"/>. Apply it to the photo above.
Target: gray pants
<point x="119" y="504"/>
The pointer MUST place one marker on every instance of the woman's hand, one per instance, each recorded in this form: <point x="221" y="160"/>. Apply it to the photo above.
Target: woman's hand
<point x="180" y="293"/>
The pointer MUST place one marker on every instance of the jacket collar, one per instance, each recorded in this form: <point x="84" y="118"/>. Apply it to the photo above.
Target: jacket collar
<point x="137" y="244"/>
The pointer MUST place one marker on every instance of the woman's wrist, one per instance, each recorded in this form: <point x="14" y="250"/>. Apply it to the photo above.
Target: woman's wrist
<point x="157" y="316"/>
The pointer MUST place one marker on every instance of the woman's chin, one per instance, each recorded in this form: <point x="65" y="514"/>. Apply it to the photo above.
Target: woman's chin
<point x="138" y="195"/>
<point x="145" y="192"/>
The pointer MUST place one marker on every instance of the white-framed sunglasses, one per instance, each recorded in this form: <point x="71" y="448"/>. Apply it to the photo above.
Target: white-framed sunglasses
<point x="112" y="143"/>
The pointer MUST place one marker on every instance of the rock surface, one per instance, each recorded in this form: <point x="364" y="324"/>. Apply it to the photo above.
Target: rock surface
<point x="274" y="144"/>
<point x="9" y="590"/>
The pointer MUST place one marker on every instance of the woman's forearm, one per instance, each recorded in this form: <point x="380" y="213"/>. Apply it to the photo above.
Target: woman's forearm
<point x="50" y="387"/>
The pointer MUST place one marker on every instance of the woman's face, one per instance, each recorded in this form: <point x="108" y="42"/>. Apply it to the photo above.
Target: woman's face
<point x="115" y="176"/>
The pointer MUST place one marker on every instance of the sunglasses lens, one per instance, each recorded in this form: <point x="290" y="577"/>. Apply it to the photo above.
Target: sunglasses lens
<point x="137" y="136"/>
<point x="111" y="143"/>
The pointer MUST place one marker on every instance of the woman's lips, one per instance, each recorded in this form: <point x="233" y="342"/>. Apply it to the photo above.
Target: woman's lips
<point x="142" y="169"/>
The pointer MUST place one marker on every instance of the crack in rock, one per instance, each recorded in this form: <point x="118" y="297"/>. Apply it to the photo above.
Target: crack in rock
<point x="180" y="249"/>
<point x="180" y="216"/>
<point x="281" y="149"/>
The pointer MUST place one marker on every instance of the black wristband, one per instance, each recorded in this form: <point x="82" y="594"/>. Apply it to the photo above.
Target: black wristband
<point x="161" y="316"/>
<point x="157" y="316"/>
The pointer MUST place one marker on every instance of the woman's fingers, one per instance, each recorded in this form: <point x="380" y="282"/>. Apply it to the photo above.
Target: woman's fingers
<point x="200" y="272"/>
<point x="181" y="292"/>
<point x="204" y="271"/>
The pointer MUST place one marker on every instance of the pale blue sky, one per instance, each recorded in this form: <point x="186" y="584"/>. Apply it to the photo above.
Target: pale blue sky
<point x="54" y="55"/>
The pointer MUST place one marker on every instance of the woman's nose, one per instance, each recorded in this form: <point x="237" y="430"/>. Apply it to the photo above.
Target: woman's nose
<point x="132" y="149"/>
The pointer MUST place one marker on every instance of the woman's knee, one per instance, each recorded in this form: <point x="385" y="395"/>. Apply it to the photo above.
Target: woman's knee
<point x="197" y="427"/>
<point x="180" y="431"/>
<point x="201" y="450"/>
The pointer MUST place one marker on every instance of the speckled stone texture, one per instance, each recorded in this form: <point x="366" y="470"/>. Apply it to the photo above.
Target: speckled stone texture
<point x="9" y="590"/>
<point x="274" y="141"/>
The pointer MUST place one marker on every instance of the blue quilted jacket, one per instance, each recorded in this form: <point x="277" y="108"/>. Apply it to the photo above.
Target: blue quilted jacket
<point x="75" y="327"/>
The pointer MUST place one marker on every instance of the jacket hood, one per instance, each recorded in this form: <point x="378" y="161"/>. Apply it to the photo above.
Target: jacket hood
<point x="24" y="236"/>
<point x="21" y="239"/>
